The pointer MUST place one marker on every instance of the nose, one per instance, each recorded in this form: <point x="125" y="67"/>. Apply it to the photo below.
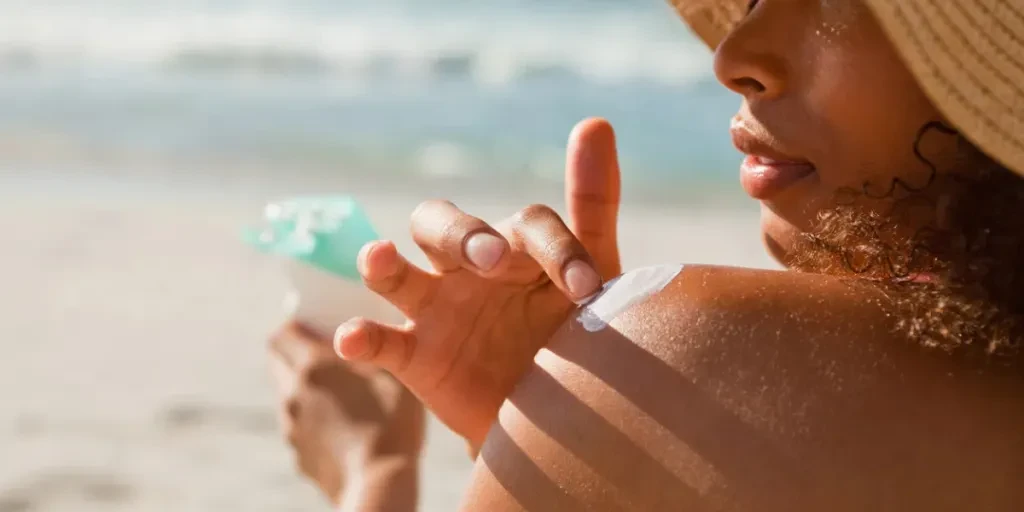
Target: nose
<point x="749" y="61"/>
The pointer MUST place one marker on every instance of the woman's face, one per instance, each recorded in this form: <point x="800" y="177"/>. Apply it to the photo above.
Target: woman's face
<point x="828" y="108"/>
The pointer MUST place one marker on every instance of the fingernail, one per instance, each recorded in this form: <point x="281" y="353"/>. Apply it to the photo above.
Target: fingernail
<point x="484" y="250"/>
<point x="581" y="280"/>
<point x="350" y="349"/>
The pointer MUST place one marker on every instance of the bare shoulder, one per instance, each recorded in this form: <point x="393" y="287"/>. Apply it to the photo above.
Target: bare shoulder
<point x="736" y="389"/>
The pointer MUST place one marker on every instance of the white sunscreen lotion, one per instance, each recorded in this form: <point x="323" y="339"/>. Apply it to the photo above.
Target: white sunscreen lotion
<point x="624" y="291"/>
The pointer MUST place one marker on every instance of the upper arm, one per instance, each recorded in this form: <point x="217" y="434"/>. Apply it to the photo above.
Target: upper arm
<point x="737" y="390"/>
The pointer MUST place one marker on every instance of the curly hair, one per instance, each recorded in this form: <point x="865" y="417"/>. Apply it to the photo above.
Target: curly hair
<point x="958" y="280"/>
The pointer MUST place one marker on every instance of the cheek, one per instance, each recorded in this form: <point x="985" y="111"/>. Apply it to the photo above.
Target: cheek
<point x="870" y="116"/>
<point x="868" y="108"/>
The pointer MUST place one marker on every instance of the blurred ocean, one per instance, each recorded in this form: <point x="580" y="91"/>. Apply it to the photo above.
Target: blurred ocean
<point x="476" y="90"/>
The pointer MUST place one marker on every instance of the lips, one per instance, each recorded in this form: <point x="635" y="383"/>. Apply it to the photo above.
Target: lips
<point x="767" y="170"/>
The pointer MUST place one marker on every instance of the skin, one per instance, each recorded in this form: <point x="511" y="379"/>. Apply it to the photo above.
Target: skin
<point x="731" y="389"/>
<point x="820" y="81"/>
<point x="736" y="390"/>
<point x="356" y="432"/>
<point x="462" y="370"/>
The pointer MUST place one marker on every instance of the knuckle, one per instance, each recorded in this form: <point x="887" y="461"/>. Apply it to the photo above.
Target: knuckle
<point x="304" y="375"/>
<point x="457" y="230"/>
<point x="280" y="339"/>
<point x="432" y="221"/>
<point x="373" y="339"/>
<point x="405" y="353"/>
<point x="535" y="213"/>
<point x="311" y="375"/>
<point x="292" y="409"/>
<point x="453" y="233"/>
<point x="318" y="375"/>
<point x="439" y="226"/>
<point x="426" y="210"/>
<point x="543" y="228"/>
<point x="561" y="248"/>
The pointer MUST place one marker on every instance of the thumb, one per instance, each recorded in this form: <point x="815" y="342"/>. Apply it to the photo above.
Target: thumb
<point x="592" y="192"/>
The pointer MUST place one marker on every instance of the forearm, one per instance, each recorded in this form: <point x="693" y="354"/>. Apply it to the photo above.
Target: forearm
<point x="387" y="484"/>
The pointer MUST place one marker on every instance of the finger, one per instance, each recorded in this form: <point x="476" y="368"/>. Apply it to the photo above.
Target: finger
<point x="539" y="232"/>
<point x="453" y="239"/>
<point x="291" y="352"/>
<point x="593" y="191"/>
<point x="390" y="275"/>
<point x="292" y="347"/>
<point x="284" y="375"/>
<point x="384" y="346"/>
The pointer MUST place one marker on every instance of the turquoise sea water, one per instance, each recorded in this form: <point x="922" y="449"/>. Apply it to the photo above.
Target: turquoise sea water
<point x="477" y="90"/>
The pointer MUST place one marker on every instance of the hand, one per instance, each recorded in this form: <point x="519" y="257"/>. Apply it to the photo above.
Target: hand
<point x="353" y="427"/>
<point x="498" y="293"/>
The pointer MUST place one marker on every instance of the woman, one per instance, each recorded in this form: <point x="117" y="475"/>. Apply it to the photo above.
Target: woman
<point x="881" y="373"/>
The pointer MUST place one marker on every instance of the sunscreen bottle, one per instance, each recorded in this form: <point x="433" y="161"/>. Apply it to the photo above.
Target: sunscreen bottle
<point x="319" y="239"/>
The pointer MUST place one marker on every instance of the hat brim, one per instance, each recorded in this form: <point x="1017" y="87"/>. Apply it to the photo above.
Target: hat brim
<point x="710" y="20"/>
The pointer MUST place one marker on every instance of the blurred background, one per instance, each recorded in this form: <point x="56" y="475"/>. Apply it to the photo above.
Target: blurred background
<point x="138" y="137"/>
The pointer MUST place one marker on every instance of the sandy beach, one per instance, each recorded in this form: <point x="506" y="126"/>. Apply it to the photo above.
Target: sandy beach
<point x="134" y="374"/>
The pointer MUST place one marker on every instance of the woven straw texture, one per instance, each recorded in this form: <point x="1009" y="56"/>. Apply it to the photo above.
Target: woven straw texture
<point x="967" y="55"/>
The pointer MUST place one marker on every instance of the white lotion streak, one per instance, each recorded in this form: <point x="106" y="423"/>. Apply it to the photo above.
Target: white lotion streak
<point x="623" y="292"/>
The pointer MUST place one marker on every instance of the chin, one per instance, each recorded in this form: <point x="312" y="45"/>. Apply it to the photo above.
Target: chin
<point x="775" y="249"/>
<point x="780" y="237"/>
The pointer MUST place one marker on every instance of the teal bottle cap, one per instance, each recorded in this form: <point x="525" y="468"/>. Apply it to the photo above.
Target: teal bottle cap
<point x="326" y="232"/>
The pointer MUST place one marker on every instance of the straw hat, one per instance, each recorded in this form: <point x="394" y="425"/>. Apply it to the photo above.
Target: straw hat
<point x="967" y="55"/>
